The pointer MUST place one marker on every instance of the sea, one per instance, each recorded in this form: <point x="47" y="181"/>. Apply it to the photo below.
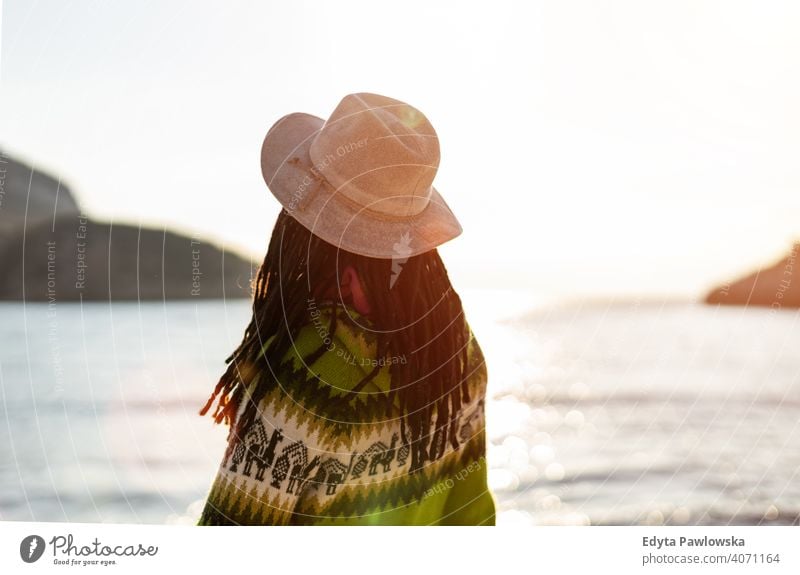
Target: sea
<point x="612" y="412"/>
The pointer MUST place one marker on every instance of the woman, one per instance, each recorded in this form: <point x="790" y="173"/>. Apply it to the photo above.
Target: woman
<point x="357" y="393"/>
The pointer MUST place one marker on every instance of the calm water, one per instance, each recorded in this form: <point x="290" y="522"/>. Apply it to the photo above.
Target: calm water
<point x="609" y="413"/>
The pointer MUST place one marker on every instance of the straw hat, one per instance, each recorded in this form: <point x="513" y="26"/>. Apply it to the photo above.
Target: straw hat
<point x="362" y="180"/>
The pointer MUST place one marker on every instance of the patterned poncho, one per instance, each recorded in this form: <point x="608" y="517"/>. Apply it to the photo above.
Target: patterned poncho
<point x="301" y="462"/>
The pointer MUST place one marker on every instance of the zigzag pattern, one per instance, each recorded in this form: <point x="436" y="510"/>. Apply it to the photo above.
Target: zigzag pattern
<point x="230" y="502"/>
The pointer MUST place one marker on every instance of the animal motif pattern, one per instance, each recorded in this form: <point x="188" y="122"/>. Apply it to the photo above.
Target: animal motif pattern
<point x="330" y="474"/>
<point x="255" y="448"/>
<point x="292" y="470"/>
<point x="294" y="457"/>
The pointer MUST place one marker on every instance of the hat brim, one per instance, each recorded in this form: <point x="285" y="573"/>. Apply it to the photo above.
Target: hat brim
<point x="287" y="169"/>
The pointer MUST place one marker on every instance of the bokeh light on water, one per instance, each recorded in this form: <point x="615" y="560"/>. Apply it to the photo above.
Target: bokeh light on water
<point x="604" y="414"/>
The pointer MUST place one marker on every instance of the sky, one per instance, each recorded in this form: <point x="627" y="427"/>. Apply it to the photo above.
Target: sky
<point x="634" y="148"/>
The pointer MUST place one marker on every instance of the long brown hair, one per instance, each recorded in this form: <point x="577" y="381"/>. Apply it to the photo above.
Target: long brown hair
<point x="416" y="314"/>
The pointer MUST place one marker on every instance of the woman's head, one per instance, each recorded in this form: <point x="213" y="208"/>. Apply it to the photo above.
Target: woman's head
<point x="411" y="308"/>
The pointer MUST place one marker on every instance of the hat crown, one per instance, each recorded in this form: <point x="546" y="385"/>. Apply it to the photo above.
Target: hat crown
<point x="378" y="152"/>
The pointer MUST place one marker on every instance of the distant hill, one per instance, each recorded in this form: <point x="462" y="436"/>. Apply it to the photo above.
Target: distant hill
<point x="22" y="189"/>
<point x="57" y="254"/>
<point x="777" y="286"/>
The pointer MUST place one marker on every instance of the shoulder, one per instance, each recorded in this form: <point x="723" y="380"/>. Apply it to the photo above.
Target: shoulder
<point x="476" y="371"/>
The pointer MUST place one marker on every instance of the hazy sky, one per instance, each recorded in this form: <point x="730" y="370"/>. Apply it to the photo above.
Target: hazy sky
<point x="587" y="147"/>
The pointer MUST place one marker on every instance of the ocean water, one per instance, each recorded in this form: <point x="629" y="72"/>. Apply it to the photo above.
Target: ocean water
<point x="603" y="413"/>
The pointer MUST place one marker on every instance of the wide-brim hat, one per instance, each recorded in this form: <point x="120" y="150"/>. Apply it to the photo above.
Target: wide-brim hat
<point x="363" y="179"/>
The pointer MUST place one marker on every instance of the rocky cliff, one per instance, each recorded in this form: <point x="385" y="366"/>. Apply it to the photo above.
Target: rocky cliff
<point x="776" y="286"/>
<point x="56" y="253"/>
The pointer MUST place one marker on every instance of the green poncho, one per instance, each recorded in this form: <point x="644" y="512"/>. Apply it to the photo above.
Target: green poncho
<point x="303" y="463"/>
